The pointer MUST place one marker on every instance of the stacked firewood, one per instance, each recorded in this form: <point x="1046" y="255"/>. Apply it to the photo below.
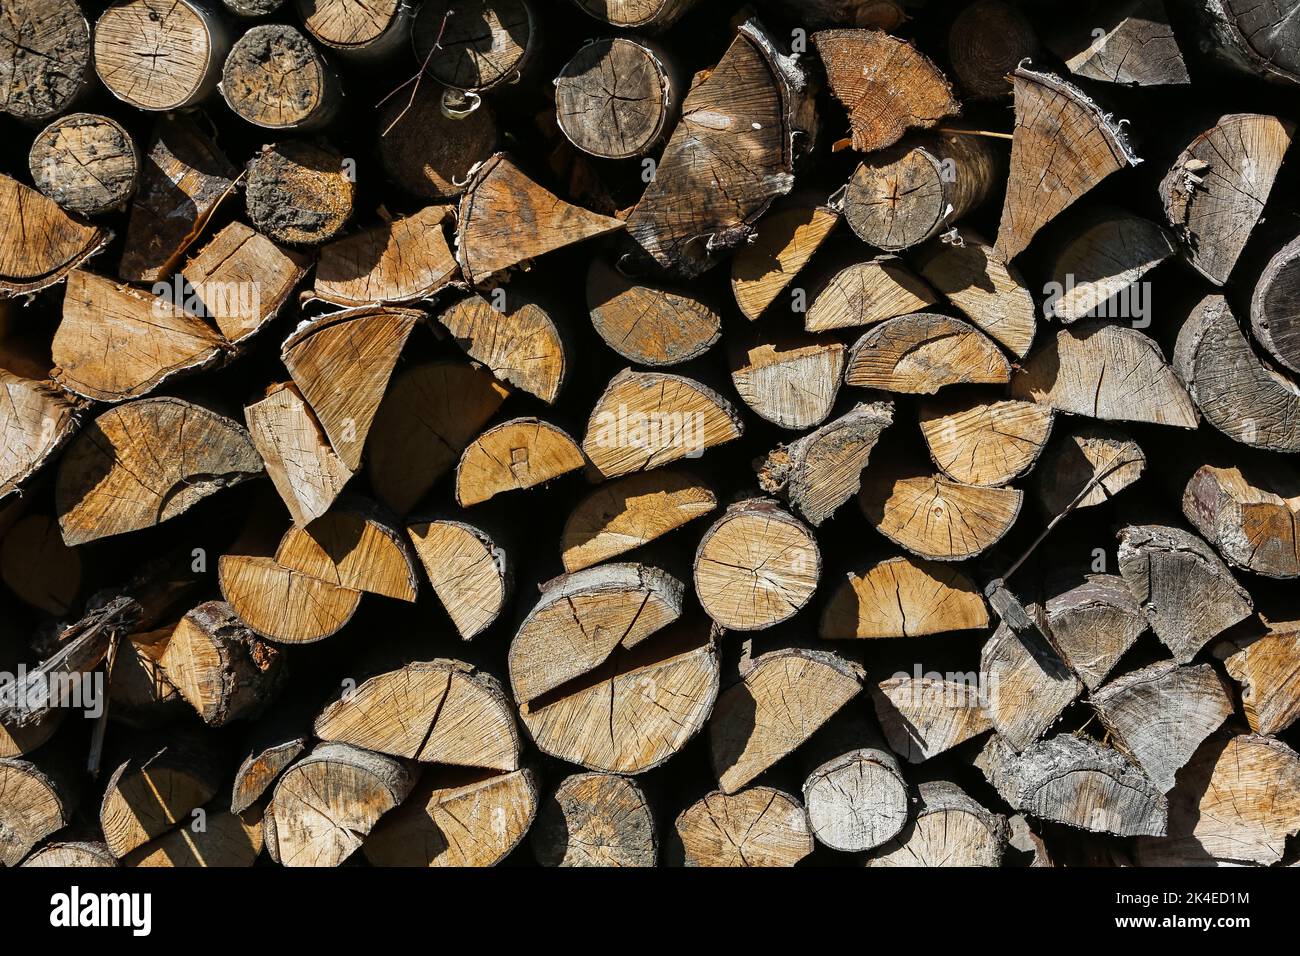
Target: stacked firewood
<point x="649" y="432"/>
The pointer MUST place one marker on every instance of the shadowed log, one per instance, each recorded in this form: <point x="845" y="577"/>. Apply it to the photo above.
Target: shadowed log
<point x="48" y="247"/>
<point x="1250" y="515"/>
<point x="949" y="829"/>
<point x="1093" y="625"/>
<point x="596" y="819"/>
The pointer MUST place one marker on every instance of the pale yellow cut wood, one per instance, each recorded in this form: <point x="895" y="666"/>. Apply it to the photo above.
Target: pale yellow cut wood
<point x="519" y="342"/>
<point x="299" y="460"/>
<point x="922" y="353"/>
<point x="159" y="54"/>
<point x="141" y="463"/>
<point x="982" y="442"/>
<point x="646" y="321"/>
<point x="144" y="798"/>
<point x="341" y="363"/>
<point x="583" y="618"/>
<point x="506" y="219"/>
<point x="440" y="711"/>
<point x="756" y="566"/>
<point x="636" y="710"/>
<point x="647" y="419"/>
<point x="756" y="827"/>
<point x="32" y="809"/>
<point x="781" y="700"/>
<point x="398" y="262"/>
<point x="117" y="342"/>
<point x="789" y="380"/>
<point x="241" y="279"/>
<point x="36" y="419"/>
<point x="281" y="604"/>
<point x="226" y="840"/>
<point x="865" y="293"/>
<point x="49" y="246"/>
<point x="456" y="818"/>
<point x="979" y="281"/>
<point x="936" y="518"/>
<point x="926" y="715"/>
<point x="514" y="455"/>
<point x="353" y="546"/>
<point x="469" y="572"/>
<point x="903" y="597"/>
<point x="429" y="415"/>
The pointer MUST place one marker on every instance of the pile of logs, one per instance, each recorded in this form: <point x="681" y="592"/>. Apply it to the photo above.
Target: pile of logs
<point x="649" y="432"/>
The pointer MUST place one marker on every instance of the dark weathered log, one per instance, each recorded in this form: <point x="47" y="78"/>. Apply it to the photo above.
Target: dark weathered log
<point x="1274" y="318"/>
<point x="1237" y="393"/>
<point x="274" y="78"/>
<point x="1122" y="41"/>
<point x="616" y="98"/>
<point x="475" y="45"/>
<point x="1158" y="715"/>
<point x="429" y="140"/>
<point x="56" y="69"/>
<point x="221" y="668"/>
<point x="1093" y="625"/>
<point x="86" y="163"/>
<point x="1077" y="782"/>
<point x="364" y="34"/>
<point x="986" y="42"/>
<point x="1186" y="591"/>
<point x="38" y="567"/>
<point x="184" y="178"/>
<point x="1257" y="39"/>
<point x="299" y="193"/>
<point x="747" y="108"/>
<point x="1217" y="187"/>
<point x="1250" y="514"/>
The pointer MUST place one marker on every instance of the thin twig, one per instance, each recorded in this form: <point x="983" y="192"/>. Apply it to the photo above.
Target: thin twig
<point x="437" y="45"/>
